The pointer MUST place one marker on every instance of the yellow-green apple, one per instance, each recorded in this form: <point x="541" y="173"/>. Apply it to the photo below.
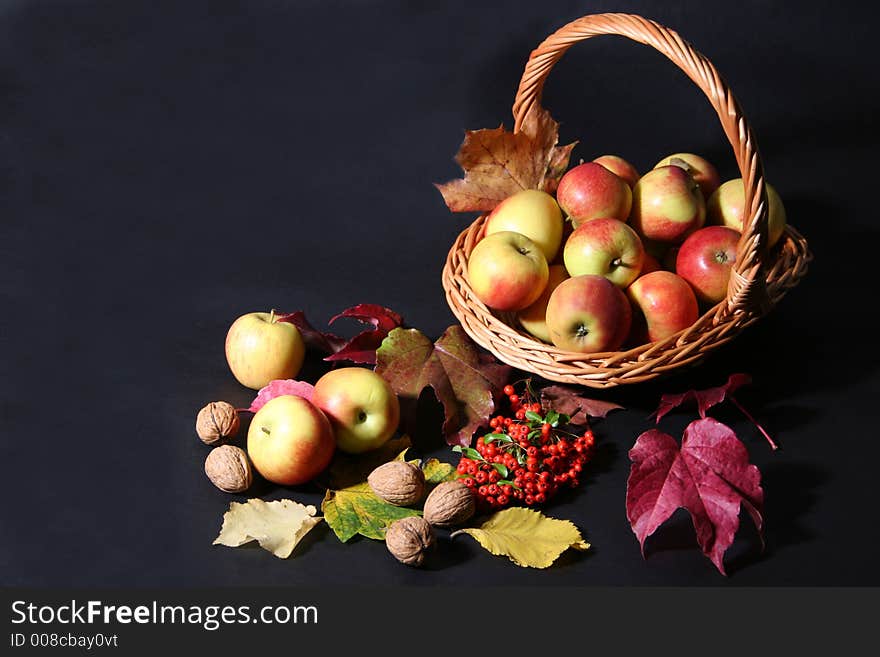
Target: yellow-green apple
<point x="607" y="247"/>
<point x="706" y="259"/>
<point x="620" y="168"/>
<point x="507" y="271"/>
<point x="534" y="318"/>
<point x="260" y="349"/>
<point x="589" y="190"/>
<point x="588" y="314"/>
<point x="726" y="207"/>
<point x="532" y="213"/>
<point x="665" y="305"/>
<point x="703" y="171"/>
<point x="290" y="440"/>
<point x="667" y="205"/>
<point x="362" y="408"/>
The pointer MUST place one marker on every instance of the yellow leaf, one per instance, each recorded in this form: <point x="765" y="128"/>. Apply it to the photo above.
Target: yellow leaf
<point x="526" y="537"/>
<point x="277" y="526"/>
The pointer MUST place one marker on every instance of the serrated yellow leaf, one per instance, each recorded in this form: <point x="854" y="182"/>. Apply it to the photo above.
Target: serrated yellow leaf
<point x="526" y="537"/>
<point x="277" y="526"/>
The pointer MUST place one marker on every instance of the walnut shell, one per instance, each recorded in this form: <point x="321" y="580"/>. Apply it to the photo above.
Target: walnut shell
<point x="408" y="539"/>
<point x="229" y="469"/>
<point x="398" y="482"/>
<point x="450" y="503"/>
<point x="216" y="421"/>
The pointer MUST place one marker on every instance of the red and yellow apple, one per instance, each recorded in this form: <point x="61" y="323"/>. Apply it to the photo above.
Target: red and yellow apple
<point x="620" y="168"/>
<point x="532" y="213"/>
<point x="534" y="318"/>
<point x="606" y="247"/>
<point x="726" y="207"/>
<point x="665" y="305"/>
<point x="507" y="271"/>
<point x="589" y="191"/>
<point x="667" y="205"/>
<point x="290" y="440"/>
<point x="701" y="170"/>
<point x="260" y="349"/>
<point x="362" y="408"/>
<point x="706" y="259"/>
<point x="588" y="314"/>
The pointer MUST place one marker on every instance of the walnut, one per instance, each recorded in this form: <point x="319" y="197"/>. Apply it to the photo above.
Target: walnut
<point x="216" y="421"/>
<point x="229" y="469"/>
<point x="408" y="539"/>
<point x="451" y="503"/>
<point x="398" y="482"/>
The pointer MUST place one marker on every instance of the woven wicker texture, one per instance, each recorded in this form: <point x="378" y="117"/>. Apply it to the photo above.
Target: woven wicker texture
<point x="759" y="279"/>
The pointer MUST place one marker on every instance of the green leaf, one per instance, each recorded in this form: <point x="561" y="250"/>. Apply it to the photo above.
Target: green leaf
<point x="501" y="469"/>
<point x="357" y="510"/>
<point x="534" y="417"/>
<point x="533" y="434"/>
<point x="507" y="482"/>
<point x="469" y="452"/>
<point x="552" y="418"/>
<point x="436" y="472"/>
<point x="500" y="437"/>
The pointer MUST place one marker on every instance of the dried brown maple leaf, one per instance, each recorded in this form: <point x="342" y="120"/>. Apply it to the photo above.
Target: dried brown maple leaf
<point x="466" y="382"/>
<point x="498" y="163"/>
<point x="569" y="401"/>
<point x="709" y="475"/>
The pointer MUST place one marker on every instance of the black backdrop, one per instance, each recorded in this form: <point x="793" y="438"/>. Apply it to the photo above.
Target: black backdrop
<point x="167" y="166"/>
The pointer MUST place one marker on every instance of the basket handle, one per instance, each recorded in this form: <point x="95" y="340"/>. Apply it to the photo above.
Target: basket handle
<point x="747" y="288"/>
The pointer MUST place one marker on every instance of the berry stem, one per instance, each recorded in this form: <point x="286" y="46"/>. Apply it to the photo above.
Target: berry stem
<point x="736" y="403"/>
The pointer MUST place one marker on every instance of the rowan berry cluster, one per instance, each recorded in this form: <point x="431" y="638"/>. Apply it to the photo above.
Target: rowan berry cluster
<point x="526" y="458"/>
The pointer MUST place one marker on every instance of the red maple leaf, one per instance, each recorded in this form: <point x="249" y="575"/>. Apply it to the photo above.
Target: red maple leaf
<point x="359" y="349"/>
<point x="709" y="397"/>
<point x="281" y="387"/>
<point x="709" y="475"/>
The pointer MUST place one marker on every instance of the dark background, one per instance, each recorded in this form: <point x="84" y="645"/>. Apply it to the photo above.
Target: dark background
<point x="168" y="166"/>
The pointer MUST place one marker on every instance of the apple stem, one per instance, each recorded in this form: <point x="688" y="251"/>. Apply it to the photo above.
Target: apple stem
<point x="265" y="431"/>
<point x="272" y="316"/>
<point x="773" y="445"/>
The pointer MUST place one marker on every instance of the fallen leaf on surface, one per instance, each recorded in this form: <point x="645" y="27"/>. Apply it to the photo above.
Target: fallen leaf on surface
<point x="465" y="382"/>
<point x="359" y="349"/>
<point x="281" y="387"/>
<point x="498" y="163"/>
<point x="569" y="401"/>
<point x="277" y="526"/>
<point x="709" y="475"/>
<point x="526" y="537"/>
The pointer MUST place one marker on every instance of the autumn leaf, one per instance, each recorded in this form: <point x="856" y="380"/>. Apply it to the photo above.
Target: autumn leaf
<point x="527" y="537"/>
<point x="359" y="349"/>
<point x="498" y="163"/>
<point x="709" y="475"/>
<point x="569" y="401"/>
<point x="277" y="526"/>
<point x="464" y="381"/>
<point x="710" y="397"/>
<point x="278" y="388"/>
<point x="362" y="347"/>
<point x="351" y="507"/>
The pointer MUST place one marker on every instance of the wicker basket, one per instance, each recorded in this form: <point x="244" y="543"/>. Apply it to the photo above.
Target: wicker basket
<point x="759" y="279"/>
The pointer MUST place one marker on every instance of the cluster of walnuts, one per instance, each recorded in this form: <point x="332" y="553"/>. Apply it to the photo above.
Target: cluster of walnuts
<point x="227" y="466"/>
<point x="403" y="484"/>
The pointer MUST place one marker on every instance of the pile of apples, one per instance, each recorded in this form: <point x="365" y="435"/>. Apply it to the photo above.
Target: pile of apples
<point x="615" y="259"/>
<point x="292" y="439"/>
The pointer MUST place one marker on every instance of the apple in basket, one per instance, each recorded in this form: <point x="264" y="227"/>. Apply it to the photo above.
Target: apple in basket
<point x="588" y="314"/>
<point x="706" y="259"/>
<point x="667" y="205"/>
<point x="620" y="168"/>
<point x="701" y="170"/>
<point x="532" y="213"/>
<point x="665" y="304"/>
<point x="726" y="207"/>
<point x="606" y="247"/>
<point x="507" y="271"/>
<point x="589" y="191"/>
